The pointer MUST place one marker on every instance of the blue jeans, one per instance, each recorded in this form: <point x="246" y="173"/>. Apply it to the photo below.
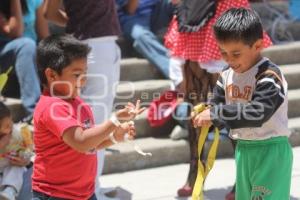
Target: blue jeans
<point x="21" y="53"/>
<point x="294" y="7"/>
<point x="181" y="114"/>
<point x="141" y="29"/>
<point x="25" y="193"/>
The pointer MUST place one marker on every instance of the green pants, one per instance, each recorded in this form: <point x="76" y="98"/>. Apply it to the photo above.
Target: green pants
<point x="264" y="169"/>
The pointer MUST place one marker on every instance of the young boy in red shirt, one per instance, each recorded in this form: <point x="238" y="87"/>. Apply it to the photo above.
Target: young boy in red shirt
<point x="65" y="136"/>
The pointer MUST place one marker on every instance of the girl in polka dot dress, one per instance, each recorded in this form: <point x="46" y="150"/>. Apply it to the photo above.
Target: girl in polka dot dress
<point x="200" y="59"/>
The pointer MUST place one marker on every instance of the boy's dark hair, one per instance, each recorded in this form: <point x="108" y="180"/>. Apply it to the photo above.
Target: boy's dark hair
<point x="239" y="24"/>
<point x="57" y="52"/>
<point x="4" y="111"/>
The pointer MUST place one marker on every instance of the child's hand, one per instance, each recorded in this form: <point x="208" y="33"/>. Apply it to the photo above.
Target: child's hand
<point x="126" y="129"/>
<point x="18" y="161"/>
<point x="130" y="111"/>
<point x="202" y="119"/>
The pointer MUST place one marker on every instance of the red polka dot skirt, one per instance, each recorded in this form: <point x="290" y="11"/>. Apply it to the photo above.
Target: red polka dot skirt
<point x="201" y="46"/>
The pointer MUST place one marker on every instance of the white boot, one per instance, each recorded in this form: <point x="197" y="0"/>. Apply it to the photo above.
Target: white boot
<point x="179" y="133"/>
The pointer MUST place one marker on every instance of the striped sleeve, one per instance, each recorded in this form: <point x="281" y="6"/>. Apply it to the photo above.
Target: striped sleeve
<point x="218" y="92"/>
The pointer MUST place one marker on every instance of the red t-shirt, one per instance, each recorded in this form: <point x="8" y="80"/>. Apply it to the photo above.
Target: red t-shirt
<point x="59" y="170"/>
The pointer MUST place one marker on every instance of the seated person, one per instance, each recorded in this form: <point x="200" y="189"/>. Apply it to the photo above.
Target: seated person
<point x="21" y="26"/>
<point x="140" y="20"/>
<point x="16" y="149"/>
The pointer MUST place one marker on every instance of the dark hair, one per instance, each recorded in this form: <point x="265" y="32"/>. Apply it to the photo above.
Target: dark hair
<point x="239" y="24"/>
<point x="4" y="111"/>
<point x="5" y="7"/>
<point x="57" y="52"/>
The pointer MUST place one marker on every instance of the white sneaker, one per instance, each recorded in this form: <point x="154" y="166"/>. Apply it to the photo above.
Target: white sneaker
<point x="9" y="193"/>
<point x="179" y="133"/>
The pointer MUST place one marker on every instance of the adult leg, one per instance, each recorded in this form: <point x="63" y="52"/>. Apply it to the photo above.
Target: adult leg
<point x="195" y="82"/>
<point x="13" y="177"/>
<point x="145" y="42"/>
<point x="25" y="193"/>
<point x="175" y="70"/>
<point x="198" y="84"/>
<point x="103" y="76"/>
<point x="24" y="51"/>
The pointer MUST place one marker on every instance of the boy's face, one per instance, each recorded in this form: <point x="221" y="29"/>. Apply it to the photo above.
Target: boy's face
<point x="71" y="80"/>
<point x="6" y="125"/>
<point x="239" y="55"/>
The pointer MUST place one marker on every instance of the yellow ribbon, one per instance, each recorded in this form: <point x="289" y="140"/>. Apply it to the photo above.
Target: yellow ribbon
<point x="4" y="78"/>
<point x="204" y="170"/>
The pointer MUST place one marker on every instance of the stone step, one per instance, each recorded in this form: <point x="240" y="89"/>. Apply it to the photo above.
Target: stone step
<point x="146" y="91"/>
<point x="292" y="74"/>
<point x="137" y="69"/>
<point x="16" y="108"/>
<point x="294" y="103"/>
<point x="122" y="157"/>
<point x="143" y="128"/>
<point x="284" y="54"/>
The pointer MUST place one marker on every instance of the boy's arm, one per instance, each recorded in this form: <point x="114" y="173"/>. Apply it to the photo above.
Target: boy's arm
<point x="60" y="120"/>
<point x="85" y="140"/>
<point x="53" y="13"/>
<point x="119" y="135"/>
<point x="97" y="137"/>
<point x="268" y="96"/>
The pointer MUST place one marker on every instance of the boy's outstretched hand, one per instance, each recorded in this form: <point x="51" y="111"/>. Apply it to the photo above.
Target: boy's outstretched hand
<point x="125" y="132"/>
<point x="130" y="111"/>
<point x="202" y="119"/>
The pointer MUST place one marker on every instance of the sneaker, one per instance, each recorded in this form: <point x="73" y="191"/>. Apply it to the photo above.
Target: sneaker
<point x="185" y="191"/>
<point x="179" y="133"/>
<point x="9" y="193"/>
<point x="230" y="196"/>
